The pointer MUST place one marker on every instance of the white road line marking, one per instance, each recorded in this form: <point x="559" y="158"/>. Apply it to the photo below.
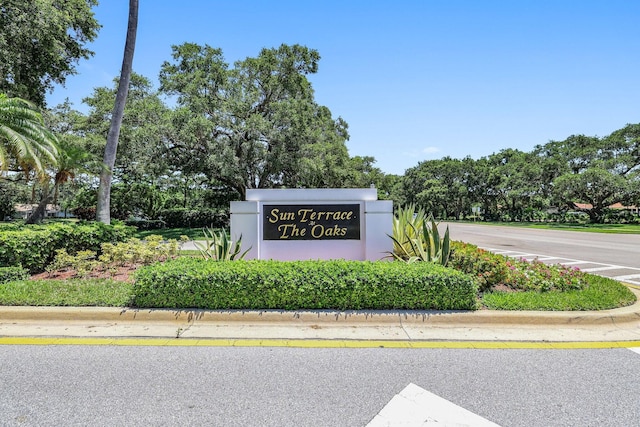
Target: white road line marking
<point x="609" y="267"/>
<point x="416" y="407"/>
<point x="636" y="349"/>
<point x="631" y="276"/>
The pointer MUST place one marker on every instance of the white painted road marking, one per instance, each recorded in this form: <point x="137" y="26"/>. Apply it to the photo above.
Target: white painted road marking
<point x="636" y="349"/>
<point x="416" y="407"/>
<point x="609" y="267"/>
<point x="631" y="276"/>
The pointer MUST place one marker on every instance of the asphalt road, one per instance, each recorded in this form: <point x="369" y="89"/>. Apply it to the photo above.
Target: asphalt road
<point x="617" y="249"/>
<point x="131" y="386"/>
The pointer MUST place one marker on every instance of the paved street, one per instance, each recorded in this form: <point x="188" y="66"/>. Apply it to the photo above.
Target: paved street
<point x="110" y="385"/>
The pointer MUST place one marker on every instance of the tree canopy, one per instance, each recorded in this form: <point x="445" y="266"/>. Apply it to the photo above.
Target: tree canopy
<point x="254" y="125"/>
<point x="41" y="42"/>
<point x="599" y="171"/>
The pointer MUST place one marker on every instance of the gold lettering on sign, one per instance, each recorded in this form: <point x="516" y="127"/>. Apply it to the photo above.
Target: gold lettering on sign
<point x="309" y="222"/>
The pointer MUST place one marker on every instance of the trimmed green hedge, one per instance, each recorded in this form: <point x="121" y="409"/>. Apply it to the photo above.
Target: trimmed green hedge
<point x="9" y="274"/>
<point x="338" y="285"/>
<point x="195" y="218"/>
<point x="33" y="246"/>
<point x="487" y="268"/>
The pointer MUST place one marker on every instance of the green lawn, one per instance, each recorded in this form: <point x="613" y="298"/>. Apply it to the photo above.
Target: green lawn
<point x="593" y="228"/>
<point x="173" y="233"/>
<point x="70" y="293"/>
<point x="601" y="294"/>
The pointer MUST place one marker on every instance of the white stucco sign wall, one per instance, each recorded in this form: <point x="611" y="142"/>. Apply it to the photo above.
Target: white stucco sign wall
<point x="298" y="224"/>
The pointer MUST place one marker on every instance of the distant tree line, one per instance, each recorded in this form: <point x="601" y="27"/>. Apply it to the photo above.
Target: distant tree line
<point x="584" y="174"/>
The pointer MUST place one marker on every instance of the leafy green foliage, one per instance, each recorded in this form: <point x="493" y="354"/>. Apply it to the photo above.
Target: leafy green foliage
<point x="82" y="262"/>
<point x="23" y="135"/>
<point x="34" y="246"/>
<point x="340" y="285"/>
<point x="9" y="274"/>
<point x="132" y="252"/>
<point x="218" y="246"/>
<point x="491" y="270"/>
<point x="442" y="187"/>
<point x="598" y="171"/>
<point x="146" y="224"/>
<point x="540" y="277"/>
<point x="171" y="233"/>
<point x="7" y="202"/>
<point x="488" y="269"/>
<point x="416" y="237"/>
<point x="141" y="160"/>
<point x="40" y="43"/>
<point x="136" y="251"/>
<point x="195" y="218"/>
<point x="255" y="125"/>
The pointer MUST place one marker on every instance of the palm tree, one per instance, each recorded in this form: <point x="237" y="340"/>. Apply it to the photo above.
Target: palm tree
<point x="23" y="135"/>
<point x="72" y="159"/>
<point x="103" y="210"/>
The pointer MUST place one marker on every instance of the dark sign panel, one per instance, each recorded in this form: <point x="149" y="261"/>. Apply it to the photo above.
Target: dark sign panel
<point x="311" y="222"/>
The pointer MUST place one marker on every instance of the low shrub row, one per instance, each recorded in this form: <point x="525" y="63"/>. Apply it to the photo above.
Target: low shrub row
<point x="339" y="285"/>
<point x="487" y="268"/>
<point x="146" y="224"/>
<point x="491" y="270"/>
<point x="192" y="218"/>
<point x="9" y="274"/>
<point x="34" y="246"/>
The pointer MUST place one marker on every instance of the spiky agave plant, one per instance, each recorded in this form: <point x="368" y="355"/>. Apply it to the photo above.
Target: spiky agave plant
<point x="219" y="247"/>
<point x="416" y="237"/>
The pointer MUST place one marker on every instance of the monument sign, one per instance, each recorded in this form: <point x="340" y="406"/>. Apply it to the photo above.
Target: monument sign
<point x="313" y="224"/>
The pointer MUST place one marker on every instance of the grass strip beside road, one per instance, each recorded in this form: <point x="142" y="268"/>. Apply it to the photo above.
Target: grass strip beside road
<point x="601" y="294"/>
<point x="591" y="228"/>
<point x="66" y="293"/>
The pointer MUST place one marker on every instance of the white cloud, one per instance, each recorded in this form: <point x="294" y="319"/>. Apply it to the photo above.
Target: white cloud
<point x="431" y="150"/>
<point x="428" y="152"/>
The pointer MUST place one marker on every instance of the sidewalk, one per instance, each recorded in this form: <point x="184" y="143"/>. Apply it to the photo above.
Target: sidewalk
<point x="622" y="324"/>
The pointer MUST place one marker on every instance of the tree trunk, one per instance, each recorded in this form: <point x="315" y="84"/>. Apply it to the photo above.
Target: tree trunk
<point x="103" y="210"/>
<point x="38" y="214"/>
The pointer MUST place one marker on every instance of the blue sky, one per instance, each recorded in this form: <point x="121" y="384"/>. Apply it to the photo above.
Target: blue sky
<point x="414" y="79"/>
